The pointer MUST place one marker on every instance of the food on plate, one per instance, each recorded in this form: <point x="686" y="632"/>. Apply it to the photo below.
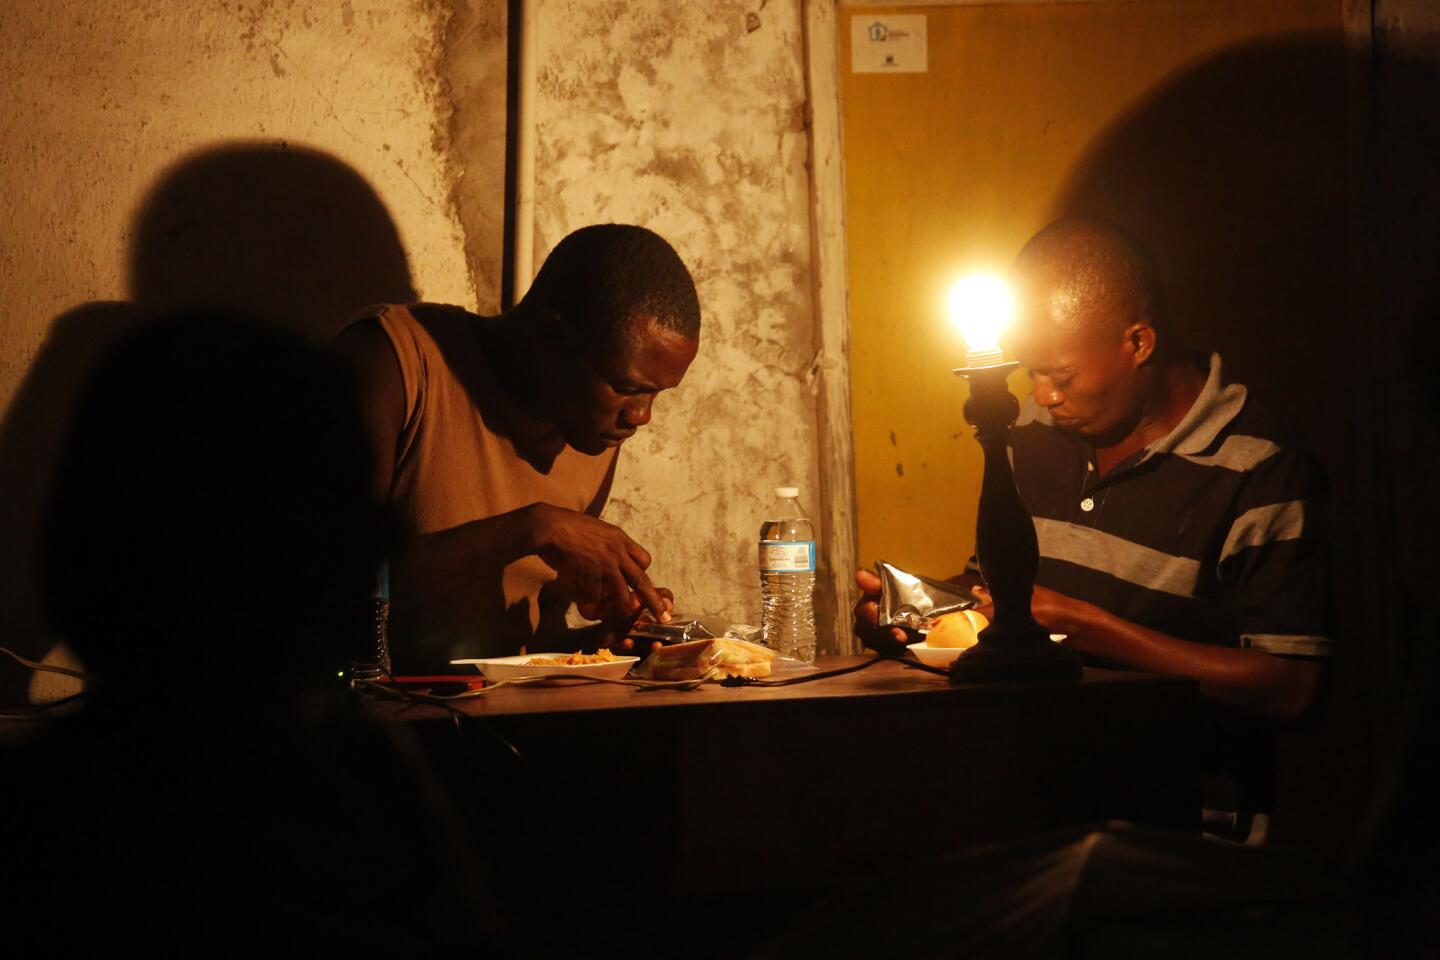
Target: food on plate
<point x="572" y="659"/>
<point x="732" y="658"/>
<point x="956" y="629"/>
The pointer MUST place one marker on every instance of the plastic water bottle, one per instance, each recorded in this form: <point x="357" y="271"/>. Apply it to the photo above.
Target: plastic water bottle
<point x="372" y="648"/>
<point x="787" y="578"/>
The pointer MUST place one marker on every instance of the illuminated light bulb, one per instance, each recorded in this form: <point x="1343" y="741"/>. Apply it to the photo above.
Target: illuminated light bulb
<point x="981" y="305"/>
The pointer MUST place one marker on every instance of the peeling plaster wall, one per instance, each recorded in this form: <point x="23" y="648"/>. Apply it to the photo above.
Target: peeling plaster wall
<point x="473" y="74"/>
<point x="104" y="99"/>
<point x="689" y="119"/>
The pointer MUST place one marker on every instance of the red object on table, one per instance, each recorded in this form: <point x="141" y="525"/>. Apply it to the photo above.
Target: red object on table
<point x="470" y="681"/>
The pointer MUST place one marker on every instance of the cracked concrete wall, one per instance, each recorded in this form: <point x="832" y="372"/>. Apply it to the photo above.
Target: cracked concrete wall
<point x="110" y="105"/>
<point x="689" y="119"/>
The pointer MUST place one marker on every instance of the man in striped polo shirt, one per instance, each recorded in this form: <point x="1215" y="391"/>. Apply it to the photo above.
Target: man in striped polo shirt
<point x="1179" y="530"/>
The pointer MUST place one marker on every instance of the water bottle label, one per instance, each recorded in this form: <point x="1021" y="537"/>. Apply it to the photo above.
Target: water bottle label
<point x="787" y="556"/>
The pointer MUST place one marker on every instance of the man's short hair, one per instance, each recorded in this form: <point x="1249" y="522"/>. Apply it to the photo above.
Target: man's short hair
<point x="602" y="277"/>
<point x="1099" y="270"/>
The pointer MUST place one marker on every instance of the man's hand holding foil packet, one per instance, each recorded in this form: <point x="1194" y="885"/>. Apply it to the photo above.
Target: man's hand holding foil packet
<point x="896" y="607"/>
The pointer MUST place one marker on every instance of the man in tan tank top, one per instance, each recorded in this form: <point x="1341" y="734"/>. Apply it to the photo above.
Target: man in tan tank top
<point x="496" y="441"/>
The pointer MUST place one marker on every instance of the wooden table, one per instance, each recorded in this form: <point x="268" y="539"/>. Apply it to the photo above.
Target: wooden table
<point x="725" y="789"/>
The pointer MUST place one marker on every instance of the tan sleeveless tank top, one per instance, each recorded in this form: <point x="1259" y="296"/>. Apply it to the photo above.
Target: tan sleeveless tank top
<point x="465" y="452"/>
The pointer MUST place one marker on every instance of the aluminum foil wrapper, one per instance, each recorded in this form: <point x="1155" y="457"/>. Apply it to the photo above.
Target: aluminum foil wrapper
<point x="914" y="602"/>
<point x="682" y="628"/>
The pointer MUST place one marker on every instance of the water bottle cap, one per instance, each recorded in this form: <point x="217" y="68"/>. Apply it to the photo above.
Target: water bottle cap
<point x="787" y="493"/>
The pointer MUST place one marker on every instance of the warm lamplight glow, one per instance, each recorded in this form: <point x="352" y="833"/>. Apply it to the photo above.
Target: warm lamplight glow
<point x="981" y="305"/>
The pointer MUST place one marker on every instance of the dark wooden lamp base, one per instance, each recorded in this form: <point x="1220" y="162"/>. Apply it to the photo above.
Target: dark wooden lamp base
<point x="1014" y="647"/>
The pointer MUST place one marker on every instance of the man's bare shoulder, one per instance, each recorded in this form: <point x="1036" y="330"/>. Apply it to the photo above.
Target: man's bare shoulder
<point x="367" y="346"/>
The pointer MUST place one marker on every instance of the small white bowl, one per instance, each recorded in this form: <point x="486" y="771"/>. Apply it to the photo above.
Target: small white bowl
<point x="935" y="656"/>
<point x="942" y="656"/>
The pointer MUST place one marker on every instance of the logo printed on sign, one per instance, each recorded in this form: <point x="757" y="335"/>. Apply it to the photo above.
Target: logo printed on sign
<point x="896" y="44"/>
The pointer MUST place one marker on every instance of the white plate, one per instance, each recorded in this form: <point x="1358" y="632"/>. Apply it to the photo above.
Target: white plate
<point x="513" y="668"/>
<point x="942" y="656"/>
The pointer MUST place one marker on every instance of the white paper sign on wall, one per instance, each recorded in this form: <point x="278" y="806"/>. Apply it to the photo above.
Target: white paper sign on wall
<point x="888" y="43"/>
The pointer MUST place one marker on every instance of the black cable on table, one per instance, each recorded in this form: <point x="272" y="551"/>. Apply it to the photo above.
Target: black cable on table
<point x="39" y="711"/>
<point x="411" y="699"/>
<point x="917" y="665"/>
<point x="823" y="675"/>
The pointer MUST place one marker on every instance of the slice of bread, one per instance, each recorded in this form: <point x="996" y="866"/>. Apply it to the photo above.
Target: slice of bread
<point x="686" y="661"/>
<point x="957" y="629"/>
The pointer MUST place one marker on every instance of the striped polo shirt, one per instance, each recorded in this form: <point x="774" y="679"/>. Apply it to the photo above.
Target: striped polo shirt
<point x="1212" y="534"/>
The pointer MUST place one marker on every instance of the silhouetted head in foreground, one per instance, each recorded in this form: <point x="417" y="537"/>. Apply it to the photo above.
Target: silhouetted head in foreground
<point x="209" y="553"/>
<point x="210" y="517"/>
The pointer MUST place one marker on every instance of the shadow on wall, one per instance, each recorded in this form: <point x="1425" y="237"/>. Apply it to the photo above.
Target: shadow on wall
<point x="1238" y="173"/>
<point x="268" y="229"/>
<point x="263" y="229"/>
<point x="1234" y="174"/>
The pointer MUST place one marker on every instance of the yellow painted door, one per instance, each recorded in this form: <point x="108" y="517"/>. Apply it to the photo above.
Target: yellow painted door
<point x="950" y="170"/>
